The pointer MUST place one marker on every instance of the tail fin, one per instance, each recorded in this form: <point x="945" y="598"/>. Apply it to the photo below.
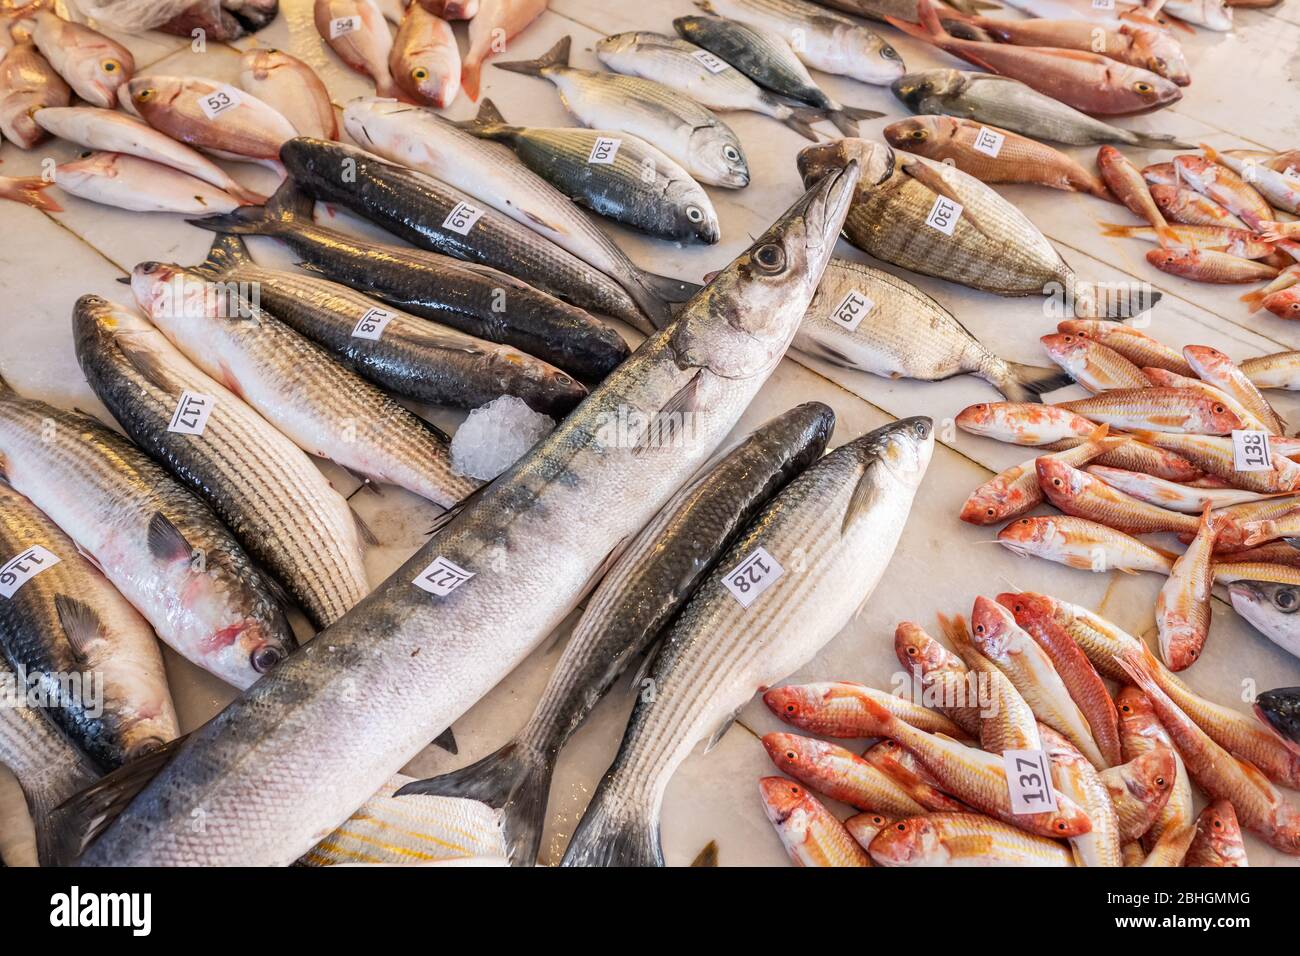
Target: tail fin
<point x="628" y="836"/>
<point x="845" y="118"/>
<point x="226" y="252"/>
<point x="1027" y="383"/>
<point x="800" y="120"/>
<point x="515" y="780"/>
<point x="1255" y="300"/>
<point x="471" y="77"/>
<point x="485" y="120"/>
<point x="655" y="295"/>
<point x="1120" y="303"/>
<point x="965" y="31"/>
<point x="29" y="190"/>
<point x="1157" y="141"/>
<point x="557" y="55"/>
<point x="288" y="205"/>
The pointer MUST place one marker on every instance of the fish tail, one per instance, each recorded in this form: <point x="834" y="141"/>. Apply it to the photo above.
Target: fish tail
<point x="226" y="252"/>
<point x="515" y="780"/>
<point x="655" y="295"/>
<point x="1115" y="230"/>
<point x="801" y="120"/>
<point x="557" y="55"/>
<point x="1121" y="304"/>
<point x="973" y="7"/>
<point x="288" y="205"/>
<point x="471" y="76"/>
<point x="1168" y="236"/>
<point x="30" y="191"/>
<point x="846" y="118"/>
<point x="1155" y="141"/>
<point x="1255" y="300"/>
<point x="624" y="836"/>
<point x="487" y="121"/>
<point x="965" y="31"/>
<point x="1027" y="383"/>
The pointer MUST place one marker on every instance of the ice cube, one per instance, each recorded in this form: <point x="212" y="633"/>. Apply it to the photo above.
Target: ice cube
<point x="496" y="436"/>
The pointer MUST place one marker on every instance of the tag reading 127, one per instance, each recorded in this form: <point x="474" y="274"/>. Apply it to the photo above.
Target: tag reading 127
<point x="1029" y="780"/>
<point x="442" y="577"/>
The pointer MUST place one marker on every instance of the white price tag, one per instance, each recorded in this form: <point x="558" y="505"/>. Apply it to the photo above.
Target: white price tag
<point x="1029" y="780"/>
<point x="21" y="568"/>
<point x="853" y="310"/>
<point x="461" y="219"/>
<point x="747" y="580"/>
<point x="191" y="415"/>
<point x="989" y="142"/>
<point x="1103" y="4"/>
<point x="442" y="577"/>
<point x="218" y="101"/>
<point x="1250" y="451"/>
<point x="342" y="26"/>
<point x="944" y="215"/>
<point x="604" y="151"/>
<point x="372" y="324"/>
<point x="711" y="63"/>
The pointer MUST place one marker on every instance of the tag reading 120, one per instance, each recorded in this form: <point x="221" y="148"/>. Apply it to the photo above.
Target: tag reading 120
<point x="442" y="577"/>
<point x="1250" y="451"/>
<point x="753" y="576"/>
<point x="21" y="568"/>
<point x="604" y="152"/>
<point x="1029" y="780"/>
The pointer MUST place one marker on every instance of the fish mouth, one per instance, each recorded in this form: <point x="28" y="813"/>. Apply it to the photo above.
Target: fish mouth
<point x="825" y="207"/>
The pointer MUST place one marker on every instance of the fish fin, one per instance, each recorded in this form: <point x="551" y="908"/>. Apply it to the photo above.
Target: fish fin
<point x="669" y="289"/>
<point x="1131" y="304"/>
<point x="447" y="741"/>
<point x="1168" y="237"/>
<point x="287" y="205"/>
<point x="166" y="541"/>
<point x="30" y="191"/>
<point x="932" y="180"/>
<point x="707" y="856"/>
<point x="843" y="122"/>
<point x="626" y="836"/>
<point x="146" y="363"/>
<point x="226" y="252"/>
<point x="642" y="672"/>
<point x="858" y="113"/>
<point x="557" y="55"/>
<point x="80" y="622"/>
<point x="716" y="737"/>
<point x="965" y="31"/>
<point x="514" y="780"/>
<point x="863" y="497"/>
<point x="1028" y="383"/>
<point x="973" y="7"/>
<point x="800" y="121"/>
<point x="1157" y="141"/>
<point x="1255" y="300"/>
<point x="471" y="77"/>
<point x="451" y="513"/>
<point x="1118" y="230"/>
<point x="486" y="121"/>
<point x="363" y="530"/>
<point x="663" y="426"/>
<point x="928" y="27"/>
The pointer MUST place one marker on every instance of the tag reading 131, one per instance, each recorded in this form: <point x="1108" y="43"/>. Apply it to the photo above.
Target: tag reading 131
<point x="1029" y="780"/>
<point x="21" y="568"/>
<point x="747" y="580"/>
<point x="218" y="101"/>
<point x="191" y="415"/>
<point x="461" y="219"/>
<point x="711" y="62"/>
<point x="944" y="215"/>
<point x="853" y="310"/>
<point x="1250" y="451"/>
<point x="442" y="577"/>
<point x="989" y="142"/>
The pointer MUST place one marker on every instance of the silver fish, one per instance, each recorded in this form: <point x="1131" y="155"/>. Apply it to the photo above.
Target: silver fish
<point x="364" y="697"/>
<point x="1271" y="609"/>
<point x="140" y="185"/>
<point x="814" y="555"/>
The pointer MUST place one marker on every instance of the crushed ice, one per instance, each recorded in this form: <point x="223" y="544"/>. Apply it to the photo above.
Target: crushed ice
<point x="495" y="436"/>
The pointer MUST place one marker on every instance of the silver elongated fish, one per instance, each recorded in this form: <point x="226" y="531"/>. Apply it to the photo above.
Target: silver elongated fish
<point x="682" y="128"/>
<point x="159" y="545"/>
<point x="362" y="699"/>
<point x="93" y="658"/>
<point x="325" y="409"/>
<point x="653" y="578"/>
<point x="871" y="320"/>
<point x="812" y="556"/>
<point x="432" y="144"/>
<point x="267" y="491"/>
<point x="1271" y="609"/>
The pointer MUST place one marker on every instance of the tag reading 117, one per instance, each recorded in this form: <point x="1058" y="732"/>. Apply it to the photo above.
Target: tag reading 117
<point x="944" y="215"/>
<point x="191" y="415"/>
<point x="1029" y="780"/>
<point x="21" y="568"/>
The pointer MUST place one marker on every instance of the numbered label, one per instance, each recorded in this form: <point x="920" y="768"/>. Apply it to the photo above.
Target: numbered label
<point x="753" y="576"/>
<point x="1029" y="779"/>
<point x="1250" y="451"/>
<point x="372" y="324"/>
<point x="20" y="569"/>
<point x="853" y="310"/>
<point x="342" y="26"/>
<point x="1103" y="4"/>
<point x="944" y="215"/>
<point x="604" y="151"/>
<point x="989" y="142"/>
<point x="461" y="219"/>
<point x="191" y="415"/>
<point x="219" y="101"/>
<point x="442" y="577"/>
<point x="711" y="63"/>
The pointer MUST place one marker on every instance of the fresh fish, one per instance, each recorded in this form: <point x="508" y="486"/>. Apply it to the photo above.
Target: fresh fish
<point x="1095" y="366"/>
<point x="903" y="767"/>
<point x="1009" y="104"/>
<point x="822" y="39"/>
<point x="844" y="515"/>
<point x="1142" y="733"/>
<point x="1157" y="409"/>
<point x="158" y="544"/>
<point x="493" y="26"/>
<point x="1206" y="265"/>
<point x="30" y="191"/>
<point x="1214" y="367"/>
<point x="1083" y="544"/>
<point x="1024" y="423"/>
<point x="839" y="774"/>
<point x="451" y="9"/>
<point x="1280" y="710"/>
<point x="1036" y="617"/>
<point x="1182" y="205"/>
<point x="766" y="57"/>
<point x="1221" y="185"/>
<point x="838" y="709"/>
<point x="1125" y="180"/>
<point x="992" y="155"/>
<point x="267" y="492"/>
<point x="423" y="659"/>
<point x="1140" y="457"/>
<point x="863" y="827"/>
<point x="76" y="640"/>
<point x="111" y="132"/>
<point x="811" y="834"/>
<point x="425" y="61"/>
<point x="1211" y="14"/>
<point x="1279" y="370"/>
<point x="1083" y="495"/>
<point x="652" y="579"/>
<point x="1183" y="606"/>
<point x="622" y="178"/>
<point x="698" y="74"/>
<point x="1007" y="722"/>
<point x="1218" y="839"/>
<point x="321" y="406"/>
<point x="195" y="111"/>
<point x="290" y="86"/>
<point x="27" y="84"/>
<point x="141" y="185"/>
<point x="1235" y="242"/>
<point x="465" y="296"/>
<point x="1272" y="230"/>
<point x="963" y="839"/>
<point x="1140" y="790"/>
<point x="870" y="320"/>
<point x="1134" y="344"/>
<point x="1081" y="79"/>
<point x="1079" y="780"/>
<point x="1169" y="494"/>
<point x="1162" y="378"/>
<point x="683" y="129"/>
<point x="904" y="9"/>
<point x="411" y="356"/>
<point x="209" y="16"/>
<point x="1279" y="187"/>
<point x="436" y="146"/>
<point x="1213" y="454"/>
<point x="989" y="244"/>
<point x="1285" y="304"/>
<point x="1268" y="607"/>
<point x="357" y="32"/>
<point x="89" y="62"/>
<point x="944" y="678"/>
<point x="49" y="769"/>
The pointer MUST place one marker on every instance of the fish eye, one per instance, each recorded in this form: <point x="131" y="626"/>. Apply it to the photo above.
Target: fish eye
<point x="1218" y="824"/>
<point x="794" y="789"/>
<point x="789" y="708"/>
<point x="790" y="755"/>
<point x="979" y="628"/>
<point x="901" y="828"/>
<point x="1219" y="409"/>
<point x="1143" y="87"/>
<point x="110" y="66"/>
<point x="419" y="74"/>
<point x="770" y="258"/>
<point x="877" y="820"/>
<point x="1024" y="521"/>
<point x="145" y="94"/>
<point x="911" y="652"/>
<point x="1056" y="482"/>
<point x="1159" y="65"/>
<point x="1126" y="708"/>
<point x="730" y="153"/>
<point x="1061" y="825"/>
<point x="889" y="53"/>
<point x="918" y="134"/>
<point x="1160" y="781"/>
<point x="694" y="213"/>
<point x="990" y="512"/>
<point x="1285" y="600"/>
<point x="265" y="657"/>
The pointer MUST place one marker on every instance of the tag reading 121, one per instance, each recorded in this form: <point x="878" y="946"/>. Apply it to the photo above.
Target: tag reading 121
<point x="747" y="580"/>
<point x="191" y="415"/>
<point x="461" y="219"/>
<point x="372" y="324"/>
<point x="711" y="62"/>
<point x="1250" y="451"/>
<point x="944" y="215"/>
<point x="218" y="101"/>
<point x="21" y="568"/>
<point x="442" y="577"/>
<point x="853" y="310"/>
<point x="1029" y="780"/>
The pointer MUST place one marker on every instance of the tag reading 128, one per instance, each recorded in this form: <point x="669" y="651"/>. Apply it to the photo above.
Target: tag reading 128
<point x="747" y="580"/>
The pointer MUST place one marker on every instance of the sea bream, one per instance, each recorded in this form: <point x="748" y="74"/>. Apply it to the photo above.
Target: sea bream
<point x="370" y="692"/>
<point x="815" y="552"/>
<point x="425" y="62"/>
<point x="160" y="546"/>
<point x="287" y="84"/>
<point x="141" y="185"/>
<point x="94" y="65"/>
<point x="27" y="83"/>
<point x="357" y="32"/>
<point x="494" y="24"/>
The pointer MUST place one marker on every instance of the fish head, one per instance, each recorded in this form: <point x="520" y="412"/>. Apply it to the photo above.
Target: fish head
<point x="1150" y="88"/>
<point x="794" y="755"/>
<point x="693" y="211"/>
<point x="1140" y="729"/>
<point x="715" y="149"/>
<point x="1218" y="15"/>
<point x="864" y="827"/>
<point x="1065" y="346"/>
<point x="919" y="90"/>
<point x="876" y="160"/>
<point x="1149" y="777"/>
<point x="1216" y="418"/>
<point x="1181" y="641"/>
<point x="919" y="652"/>
<point x="1060" y="481"/>
<point x="916" y="134"/>
<point x="741" y="323"/>
<point x="1028" y="535"/>
<point x="872" y="58"/>
<point x="613" y="49"/>
<point x="904" y="447"/>
<point x="990" y="502"/>
<point x="99" y="321"/>
<point x="89" y="166"/>
<point x="992" y="628"/>
<point x="1028" y="608"/>
<point x="798" y="704"/>
<point x="1196" y="170"/>
<point x="430" y="75"/>
<point x="150" y="95"/>
<point x="1218" y="826"/>
<point x="787" y="806"/>
<point x="1284" y="304"/>
<point x="912" y="842"/>
<point x="1159" y="52"/>
<point x="1268" y="607"/>
<point x="978" y="419"/>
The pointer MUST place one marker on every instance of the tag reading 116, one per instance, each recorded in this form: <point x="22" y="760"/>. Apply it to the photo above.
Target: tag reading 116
<point x="21" y="568"/>
<point x="747" y="580"/>
<point x="1250" y="451"/>
<point x="944" y="215"/>
<point x="1029" y="780"/>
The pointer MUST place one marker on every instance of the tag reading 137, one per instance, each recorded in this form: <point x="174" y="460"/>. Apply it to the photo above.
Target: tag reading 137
<point x="1250" y="451"/>
<point x="944" y="215"/>
<point x="1029" y="780"/>
<point x="747" y="580"/>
